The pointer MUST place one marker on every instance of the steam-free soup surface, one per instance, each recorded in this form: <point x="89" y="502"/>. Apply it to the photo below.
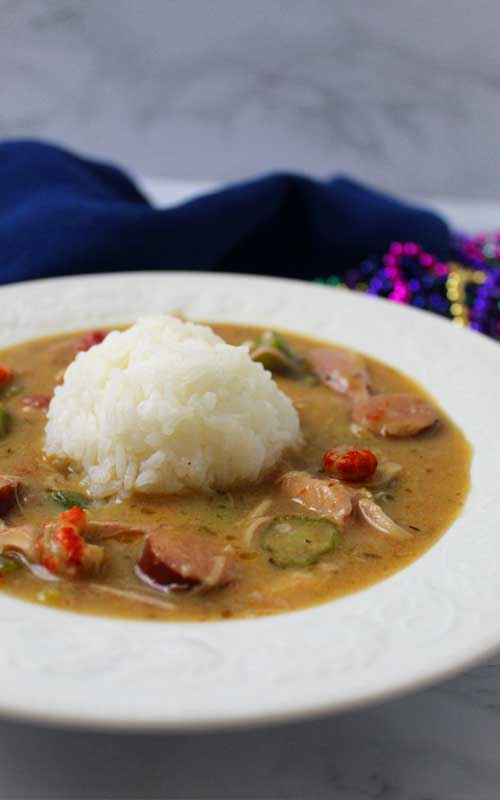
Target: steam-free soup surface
<point x="422" y="499"/>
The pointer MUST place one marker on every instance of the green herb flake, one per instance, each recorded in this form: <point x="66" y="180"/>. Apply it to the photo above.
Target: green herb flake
<point x="68" y="500"/>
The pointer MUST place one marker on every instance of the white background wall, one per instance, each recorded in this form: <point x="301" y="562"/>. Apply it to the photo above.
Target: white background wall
<point x="402" y="93"/>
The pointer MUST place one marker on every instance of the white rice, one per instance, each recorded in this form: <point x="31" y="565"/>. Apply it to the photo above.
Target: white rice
<point x="167" y="406"/>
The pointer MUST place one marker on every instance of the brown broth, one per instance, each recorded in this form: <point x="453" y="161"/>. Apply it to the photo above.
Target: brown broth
<point x="427" y="497"/>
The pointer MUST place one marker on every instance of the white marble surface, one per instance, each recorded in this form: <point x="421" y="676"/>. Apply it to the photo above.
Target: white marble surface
<point x="405" y="95"/>
<point x="402" y="94"/>
<point x="443" y="744"/>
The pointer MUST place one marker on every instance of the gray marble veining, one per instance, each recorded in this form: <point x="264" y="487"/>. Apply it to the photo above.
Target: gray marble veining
<point x="405" y="95"/>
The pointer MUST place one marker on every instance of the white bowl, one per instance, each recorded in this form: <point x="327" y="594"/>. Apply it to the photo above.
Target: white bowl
<point x="427" y="622"/>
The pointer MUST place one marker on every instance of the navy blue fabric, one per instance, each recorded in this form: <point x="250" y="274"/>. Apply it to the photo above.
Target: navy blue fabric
<point x="61" y="214"/>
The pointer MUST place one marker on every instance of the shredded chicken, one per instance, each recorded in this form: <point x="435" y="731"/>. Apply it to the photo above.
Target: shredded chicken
<point x="378" y="519"/>
<point x="384" y="474"/>
<point x="21" y="539"/>
<point x="125" y="594"/>
<point x="252" y="529"/>
<point x="109" y="530"/>
<point x="253" y="521"/>
<point x="338" y="501"/>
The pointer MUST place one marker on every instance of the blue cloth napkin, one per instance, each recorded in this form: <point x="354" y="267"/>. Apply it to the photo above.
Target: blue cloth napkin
<point x="61" y="214"/>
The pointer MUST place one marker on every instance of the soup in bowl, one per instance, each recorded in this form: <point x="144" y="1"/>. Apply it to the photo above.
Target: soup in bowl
<point x="179" y="471"/>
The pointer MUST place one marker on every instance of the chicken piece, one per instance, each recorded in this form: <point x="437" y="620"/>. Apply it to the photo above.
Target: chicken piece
<point x="378" y="519"/>
<point x="183" y="559"/>
<point x="394" y="414"/>
<point x="342" y="371"/>
<point x="108" y="530"/>
<point x="9" y="486"/>
<point x="386" y="472"/>
<point x="330" y="498"/>
<point x="21" y="539"/>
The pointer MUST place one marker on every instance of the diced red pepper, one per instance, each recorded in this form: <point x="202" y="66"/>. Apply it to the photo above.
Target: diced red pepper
<point x="37" y="401"/>
<point x="6" y="374"/>
<point x="91" y="338"/>
<point x="350" y="465"/>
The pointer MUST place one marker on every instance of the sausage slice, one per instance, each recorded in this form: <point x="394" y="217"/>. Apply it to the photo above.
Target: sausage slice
<point x="183" y="560"/>
<point x="394" y="414"/>
<point x="8" y="488"/>
<point x="342" y="371"/>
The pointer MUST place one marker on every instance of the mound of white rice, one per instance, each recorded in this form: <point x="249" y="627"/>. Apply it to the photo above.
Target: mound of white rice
<point x="167" y="406"/>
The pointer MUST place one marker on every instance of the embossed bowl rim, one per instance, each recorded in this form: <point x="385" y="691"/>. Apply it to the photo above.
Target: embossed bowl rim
<point x="426" y="623"/>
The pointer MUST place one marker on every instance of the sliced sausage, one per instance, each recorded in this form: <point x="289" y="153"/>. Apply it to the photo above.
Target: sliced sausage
<point x="9" y="485"/>
<point x="183" y="559"/>
<point x="330" y="498"/>
<point x="342" y="371"/>
<point x="394" y="414"/>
